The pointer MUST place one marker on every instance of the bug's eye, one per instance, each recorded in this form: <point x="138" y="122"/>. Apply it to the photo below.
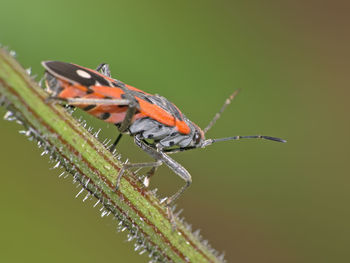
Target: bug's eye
<point x="196" y="137"/>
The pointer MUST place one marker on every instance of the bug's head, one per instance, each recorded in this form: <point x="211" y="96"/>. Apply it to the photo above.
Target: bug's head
<point x="198" y="137"/>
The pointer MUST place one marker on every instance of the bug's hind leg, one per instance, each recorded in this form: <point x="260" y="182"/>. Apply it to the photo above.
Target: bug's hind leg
<point x="104" y="69"/>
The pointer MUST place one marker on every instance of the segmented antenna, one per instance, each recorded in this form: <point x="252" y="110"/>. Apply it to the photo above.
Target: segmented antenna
<point x="249" y="137"/>
<point x="218" y="115"/>
<point x="211" y="141"/>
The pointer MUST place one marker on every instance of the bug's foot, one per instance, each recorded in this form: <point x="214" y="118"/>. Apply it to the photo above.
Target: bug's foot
<point x="150" y="173"/>
<point x="116" y="188"/>
<point x="51" y="99"/>
<point x="170" y="214"/>
<point x="171" y="218"/>
<point x="120" y="174"/>
<point x="146" y="181"/>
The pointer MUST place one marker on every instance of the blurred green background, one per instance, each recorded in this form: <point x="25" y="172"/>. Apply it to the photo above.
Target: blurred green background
<point x="258" y="201"/>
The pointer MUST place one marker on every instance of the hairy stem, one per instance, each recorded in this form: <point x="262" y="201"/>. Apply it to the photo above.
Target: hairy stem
<point x="82" y="155"/>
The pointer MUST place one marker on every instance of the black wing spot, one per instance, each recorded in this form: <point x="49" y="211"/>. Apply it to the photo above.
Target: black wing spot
<point x="89" y="91"/>
<point x="89" y="107"/>
<point x="171" y="143"/>
<point x="105" y="116"/>
<point x="150" y="136"/>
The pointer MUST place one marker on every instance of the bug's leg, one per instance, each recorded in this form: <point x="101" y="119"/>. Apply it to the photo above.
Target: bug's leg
<point x="89" y="101"/>
<point x="104" y="69"/>
<point x="129" y="101"/>
<point x="127" y="166"/>
<point x="174" y="166"/>
<point x="112" y="148"/>
<point x="149" y="174"/>
<point x="132" y="108"/>
<point x="53" y="99"/>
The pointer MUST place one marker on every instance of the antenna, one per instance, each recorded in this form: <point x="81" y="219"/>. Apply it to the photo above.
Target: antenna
<point x="211" y="141"/>
<point x="218" y="115"/>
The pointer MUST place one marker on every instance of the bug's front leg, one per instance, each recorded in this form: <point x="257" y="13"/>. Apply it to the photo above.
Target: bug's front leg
<point x="174" y="166"/>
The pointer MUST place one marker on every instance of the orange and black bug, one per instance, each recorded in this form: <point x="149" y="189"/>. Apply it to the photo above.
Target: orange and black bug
<point x="158" y="126"/>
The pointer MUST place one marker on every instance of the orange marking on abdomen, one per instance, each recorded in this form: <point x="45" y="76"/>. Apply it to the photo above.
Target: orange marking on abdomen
<point x="70" y="91"/>
<point x="105" y="91"/>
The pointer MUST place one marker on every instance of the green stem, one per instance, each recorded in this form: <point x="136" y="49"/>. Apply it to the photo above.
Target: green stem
<point x="82" y="155"/>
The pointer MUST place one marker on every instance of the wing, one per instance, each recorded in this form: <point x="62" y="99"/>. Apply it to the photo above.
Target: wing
<point x="66" y="80"/>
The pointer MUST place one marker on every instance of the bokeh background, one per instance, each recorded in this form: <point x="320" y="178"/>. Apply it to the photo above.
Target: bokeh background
<point x="258" y="201"/>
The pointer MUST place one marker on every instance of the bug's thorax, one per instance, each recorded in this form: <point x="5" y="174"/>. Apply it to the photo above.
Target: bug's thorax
<point x="179" y="131"/>
<point x="165" y="136"/>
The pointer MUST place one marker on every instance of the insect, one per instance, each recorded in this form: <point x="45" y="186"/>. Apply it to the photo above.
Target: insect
<point x="159" y="128"/>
